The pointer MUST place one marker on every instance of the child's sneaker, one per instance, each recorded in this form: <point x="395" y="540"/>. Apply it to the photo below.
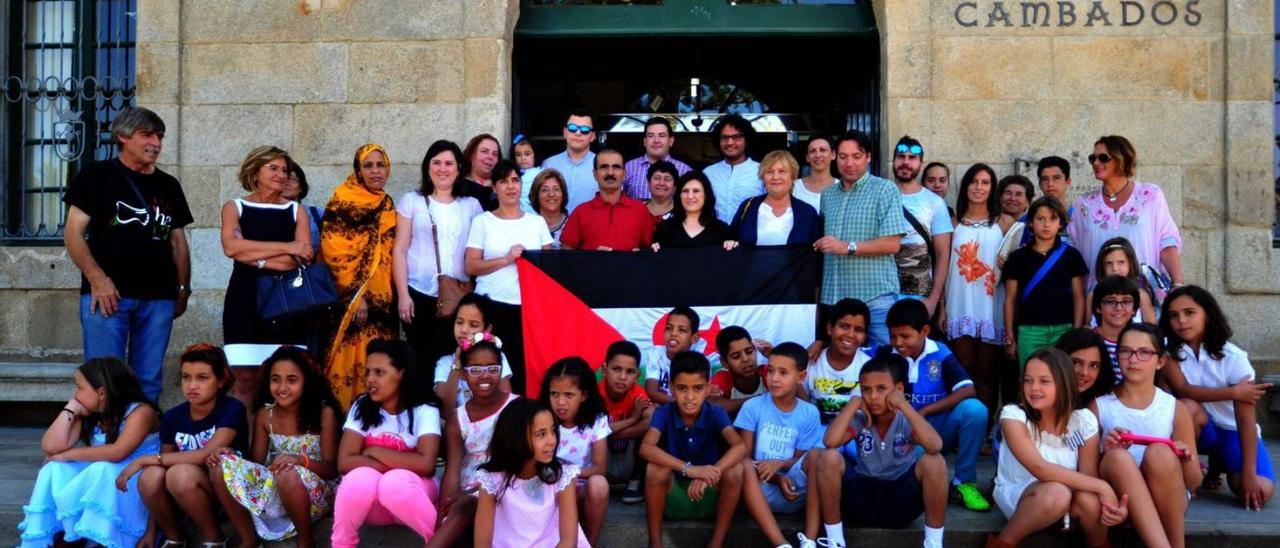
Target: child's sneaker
<point x="805" y="542"/>
<point x="633" y="493"/>
<point x="824" y="542"/>
<point x="967" y="493"/>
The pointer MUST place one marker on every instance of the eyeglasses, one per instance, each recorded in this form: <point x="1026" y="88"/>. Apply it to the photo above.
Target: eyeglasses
<point x="904" y="148"/>
<point x="575" y="128"/>
<point x="1118" y="303"/>
<point x="1101" y="158"/>
<point x="477" y="370"/>
<point x="1142" y="354"/>
<point x="733" y="137"/>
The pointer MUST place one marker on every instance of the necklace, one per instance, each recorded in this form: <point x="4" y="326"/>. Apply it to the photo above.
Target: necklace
<point x="1112" y="197"/>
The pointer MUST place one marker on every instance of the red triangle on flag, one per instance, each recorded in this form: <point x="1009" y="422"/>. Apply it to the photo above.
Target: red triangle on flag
<point x="557" y="324"/>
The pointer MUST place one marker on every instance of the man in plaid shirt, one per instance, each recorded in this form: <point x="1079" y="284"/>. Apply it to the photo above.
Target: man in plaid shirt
<point x="863" y="228"/>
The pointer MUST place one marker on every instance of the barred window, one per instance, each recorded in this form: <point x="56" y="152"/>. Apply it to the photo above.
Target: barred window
<point x="69" y="68"/>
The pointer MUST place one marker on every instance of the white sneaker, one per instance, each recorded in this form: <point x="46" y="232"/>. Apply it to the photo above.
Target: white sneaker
<point x="935" y="544"/>
<point x="824" y="542"/>
<point x="806" y="542"/>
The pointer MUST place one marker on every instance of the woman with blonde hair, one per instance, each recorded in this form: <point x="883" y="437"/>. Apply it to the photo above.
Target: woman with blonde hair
<point x="356" y="243"/>
<point x="777" y="217"/>
<point x="263" y="233"/>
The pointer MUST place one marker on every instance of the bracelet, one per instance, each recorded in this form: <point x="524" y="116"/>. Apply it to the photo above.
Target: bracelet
<point x="306" y="461"/>
<point x="159" y="459"/>
<point x="72" y="413"/>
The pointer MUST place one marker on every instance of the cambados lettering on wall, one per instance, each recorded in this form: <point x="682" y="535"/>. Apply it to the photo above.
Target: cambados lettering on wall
<point x="1072" y="13"/>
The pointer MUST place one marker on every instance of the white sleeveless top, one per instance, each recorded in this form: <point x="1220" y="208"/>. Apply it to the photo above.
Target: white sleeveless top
<point x="1156" y="420"/>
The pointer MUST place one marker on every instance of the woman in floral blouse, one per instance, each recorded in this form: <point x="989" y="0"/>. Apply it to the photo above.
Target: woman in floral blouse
<point x="1127" y="208"/>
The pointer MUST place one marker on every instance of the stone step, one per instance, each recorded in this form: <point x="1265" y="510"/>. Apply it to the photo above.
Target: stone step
<point x="628" y="530"/>
<point x="36" y="382"/>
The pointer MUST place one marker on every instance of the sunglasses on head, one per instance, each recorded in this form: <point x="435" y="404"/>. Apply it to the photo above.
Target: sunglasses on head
<point x="1101" y="158"/>
<point x="904" y="148"/>
<point x="575" y="128"/>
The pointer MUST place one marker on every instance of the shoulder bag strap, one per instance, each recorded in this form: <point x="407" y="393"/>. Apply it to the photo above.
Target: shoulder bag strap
<point x="924" y="234"/>
<point x="435" y="240"/>
<point x="1044" y="269"/>
<point x="132" y="185"/>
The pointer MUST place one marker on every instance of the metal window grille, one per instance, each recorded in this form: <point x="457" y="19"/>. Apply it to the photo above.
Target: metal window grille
<point x="69" y="67"/>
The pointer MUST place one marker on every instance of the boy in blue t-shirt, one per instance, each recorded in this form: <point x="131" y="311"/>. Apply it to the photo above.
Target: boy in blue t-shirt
<point x="687" y="476"/>
<point x="779" y="429"/>
<point x="898" y="473"/>
<point x="940" y="389"/>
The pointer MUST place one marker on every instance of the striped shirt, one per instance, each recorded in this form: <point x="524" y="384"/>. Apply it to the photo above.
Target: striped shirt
<point x="636" y="184"/>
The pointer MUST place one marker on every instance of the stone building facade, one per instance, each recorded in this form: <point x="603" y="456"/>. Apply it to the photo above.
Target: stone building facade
<point x="977" y="80"/>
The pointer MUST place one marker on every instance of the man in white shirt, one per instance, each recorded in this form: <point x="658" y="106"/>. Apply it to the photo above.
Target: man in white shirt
<point x="577" y="162"/>
<point x="736" y="177"/>
<point x="924" y="258"/>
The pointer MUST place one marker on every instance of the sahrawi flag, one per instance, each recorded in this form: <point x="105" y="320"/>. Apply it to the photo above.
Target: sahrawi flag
<point x="576" y="303"/>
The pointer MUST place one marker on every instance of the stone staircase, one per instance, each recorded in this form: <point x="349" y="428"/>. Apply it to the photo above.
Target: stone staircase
<point x="1214" y="519"/>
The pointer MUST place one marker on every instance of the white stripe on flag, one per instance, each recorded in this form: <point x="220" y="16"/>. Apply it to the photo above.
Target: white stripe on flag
<point x="776" y="323"/>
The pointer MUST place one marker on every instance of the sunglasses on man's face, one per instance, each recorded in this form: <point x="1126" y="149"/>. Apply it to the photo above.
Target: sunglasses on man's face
<point x="909" y="149"/>
<point x="1100" y="158"/>
<point x="575" y="128"/>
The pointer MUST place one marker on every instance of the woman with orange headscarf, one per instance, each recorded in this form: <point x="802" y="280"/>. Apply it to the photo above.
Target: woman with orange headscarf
<point x="356" y="238"/>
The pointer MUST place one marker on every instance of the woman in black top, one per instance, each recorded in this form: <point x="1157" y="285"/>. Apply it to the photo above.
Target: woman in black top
<point x="693" y="221"/>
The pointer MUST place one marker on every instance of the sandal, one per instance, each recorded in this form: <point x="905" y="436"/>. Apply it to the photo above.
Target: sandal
<point x="173" y="544"/>
<point x="219" y="544"/>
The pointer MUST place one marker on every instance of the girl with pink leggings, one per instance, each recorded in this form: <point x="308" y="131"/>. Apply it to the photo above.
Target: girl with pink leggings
<point x="388" y="451"/>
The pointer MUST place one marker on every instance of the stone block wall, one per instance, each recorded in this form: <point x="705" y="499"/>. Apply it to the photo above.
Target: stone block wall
<point x="1195" y="99"/>
<point x="316" y="77"/>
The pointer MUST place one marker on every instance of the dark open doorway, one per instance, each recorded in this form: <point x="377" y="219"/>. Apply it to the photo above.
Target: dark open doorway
<point x="790" y="86"/>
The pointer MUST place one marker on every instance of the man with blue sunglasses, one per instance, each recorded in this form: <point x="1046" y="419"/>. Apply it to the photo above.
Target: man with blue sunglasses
<point x="577" y="161"/>
<point x="925" y="255"/>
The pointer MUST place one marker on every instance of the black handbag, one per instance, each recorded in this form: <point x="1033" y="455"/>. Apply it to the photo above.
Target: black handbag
<point x="296" y="294"/>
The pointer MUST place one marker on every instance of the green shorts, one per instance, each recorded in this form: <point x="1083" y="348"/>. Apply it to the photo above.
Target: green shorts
<point x="681" y="507"/>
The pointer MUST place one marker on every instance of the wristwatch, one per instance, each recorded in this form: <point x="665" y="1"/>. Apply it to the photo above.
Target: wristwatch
<point x="853" y="248"/>
<point x="184" y="288"/>
<point x="687" y="466"/>
<point x="262" y="263"/>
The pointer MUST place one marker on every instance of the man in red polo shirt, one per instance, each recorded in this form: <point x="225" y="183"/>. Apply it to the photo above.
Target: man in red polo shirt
<point x="610" y="221"/>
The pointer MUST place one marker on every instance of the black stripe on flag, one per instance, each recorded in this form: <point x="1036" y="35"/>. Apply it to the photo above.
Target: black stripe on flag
<point x="692" y="277"/>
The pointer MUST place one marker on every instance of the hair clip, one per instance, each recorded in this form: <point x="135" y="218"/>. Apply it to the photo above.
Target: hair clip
<point x="482" y="336"/>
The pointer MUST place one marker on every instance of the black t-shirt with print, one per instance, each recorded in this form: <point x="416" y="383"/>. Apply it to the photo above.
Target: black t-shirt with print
<point x="129" y="230"/>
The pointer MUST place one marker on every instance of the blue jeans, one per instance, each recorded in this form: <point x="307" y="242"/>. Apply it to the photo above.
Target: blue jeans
<point x="878" y="332"/>
<point x="140" y="326"/>
<point x="962" y="428"/>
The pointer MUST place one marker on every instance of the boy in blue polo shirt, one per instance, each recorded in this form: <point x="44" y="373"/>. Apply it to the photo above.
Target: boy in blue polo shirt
<point x="779" y="429"/>
<point x="687" y="476"/>
<point x="940" y="389"/>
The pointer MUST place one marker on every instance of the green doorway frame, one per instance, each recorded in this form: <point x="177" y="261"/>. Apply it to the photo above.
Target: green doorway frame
<point x="694" y="18"/>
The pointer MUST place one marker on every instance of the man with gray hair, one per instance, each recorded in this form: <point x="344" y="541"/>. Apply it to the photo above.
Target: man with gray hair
<point x="124" y="231"/>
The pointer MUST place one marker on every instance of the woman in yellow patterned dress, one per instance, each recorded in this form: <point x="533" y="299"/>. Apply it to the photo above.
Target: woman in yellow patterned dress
<point x="356" y="238"/>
